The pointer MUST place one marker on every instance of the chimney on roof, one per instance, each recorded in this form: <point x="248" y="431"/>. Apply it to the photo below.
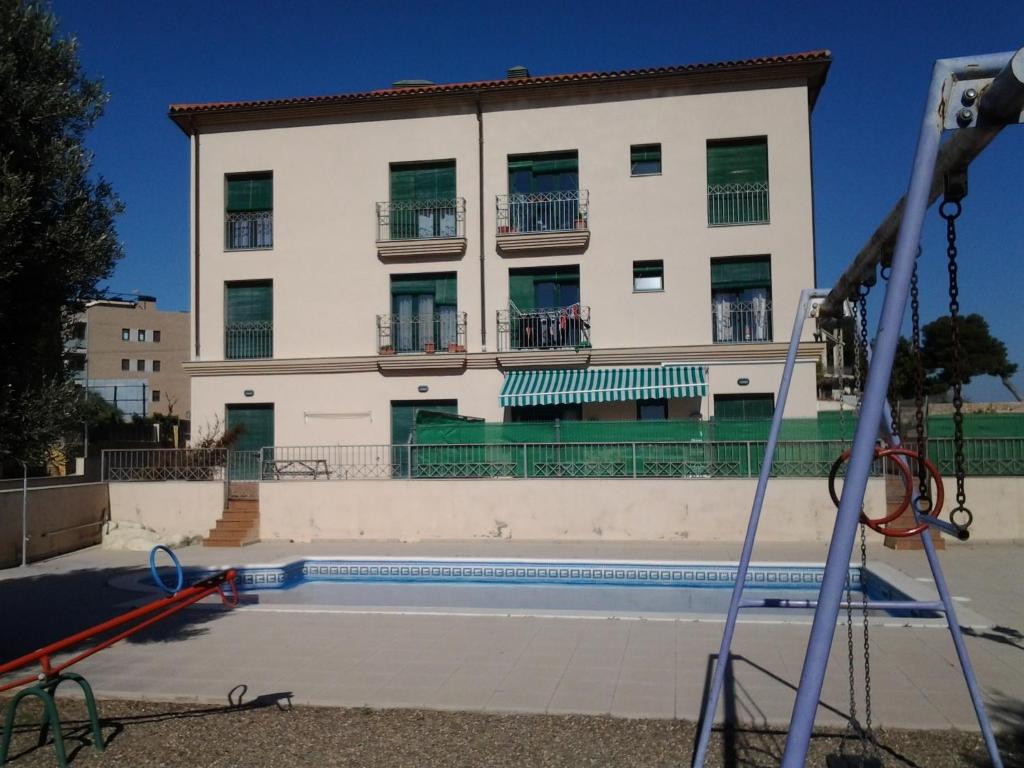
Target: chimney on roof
<point x="411" y="83"/>
<point x="517" y="72"/>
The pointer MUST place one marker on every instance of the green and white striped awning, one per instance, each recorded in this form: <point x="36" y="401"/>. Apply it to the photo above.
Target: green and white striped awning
<point x="602" y="385"/>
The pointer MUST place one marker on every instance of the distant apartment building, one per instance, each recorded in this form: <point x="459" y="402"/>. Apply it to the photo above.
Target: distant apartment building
<point x="598" y="246"/>
<point x="131" y="354"/>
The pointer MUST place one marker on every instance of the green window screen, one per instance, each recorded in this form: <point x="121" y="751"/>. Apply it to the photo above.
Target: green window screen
<point x="750" y="407"/>
<point x="442" y="287"/>
<point x="250" y="192"/>
<point x="648" y="276"/>
<point x="531" y="174"/>
<point x="645" y="159"/>
<point x="741" y="161"/>
<point x="256" y="423"/>
<point x="249" y="303"/>
<point x="728" y="274"/>
<point x="546" y="288"/>
<point x="403" y="416"/>
<point x="423" y="181"/>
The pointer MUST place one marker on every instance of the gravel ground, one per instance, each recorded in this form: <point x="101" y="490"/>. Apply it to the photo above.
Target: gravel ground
<point x="264" y="734"/>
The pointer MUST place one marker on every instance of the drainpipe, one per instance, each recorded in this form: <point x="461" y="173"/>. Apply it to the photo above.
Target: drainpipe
<point x="195" y="232"/>
<point x="480" y="207"/>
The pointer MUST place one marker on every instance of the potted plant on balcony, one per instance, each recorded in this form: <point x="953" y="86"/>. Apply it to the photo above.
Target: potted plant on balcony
<point x="387" y="349"/>
<point x="428" y="347"/>
<point x="455" y="347"/>
<point x="581" y="222"/>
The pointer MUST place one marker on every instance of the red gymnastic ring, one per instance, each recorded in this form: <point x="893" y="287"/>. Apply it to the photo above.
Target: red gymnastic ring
<point x="871" y="522"/>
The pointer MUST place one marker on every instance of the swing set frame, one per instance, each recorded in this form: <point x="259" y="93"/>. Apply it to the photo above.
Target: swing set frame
<point x="976" y="97"/>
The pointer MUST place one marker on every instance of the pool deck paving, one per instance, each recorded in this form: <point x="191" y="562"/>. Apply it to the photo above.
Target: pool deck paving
<point x="529" y="664"/>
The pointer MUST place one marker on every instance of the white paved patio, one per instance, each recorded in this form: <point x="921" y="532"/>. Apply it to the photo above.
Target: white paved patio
<point x="626" y="668"/>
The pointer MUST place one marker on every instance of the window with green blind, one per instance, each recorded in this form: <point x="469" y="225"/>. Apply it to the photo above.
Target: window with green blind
<point x="741" y="274"/>
<point x="738" y="181"/>
<point x="423" y="200"/>
<point x="255" y="425"/>
<point x="424" y="311"/>
<point x="249" y="210"/>
<point x="648" y="276"/>
<point x="545" y="288"/>
<point x="248" y="319"/>
<point x="645" y="159"/>
<point x="746" y="407"/>
<point x="550" y="172"/>
<point x="741" y="295"/>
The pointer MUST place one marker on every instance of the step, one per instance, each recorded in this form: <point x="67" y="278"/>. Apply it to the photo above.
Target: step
<point x="234" y="514"/>
<point x="243" y="505"/>
<point x="225" y="543"/>
<point x="236" y="525"/>
<point x="234" y="539"/>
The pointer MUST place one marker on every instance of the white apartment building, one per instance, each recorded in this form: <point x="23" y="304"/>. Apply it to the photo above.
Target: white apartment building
<point x="612" y="245"/>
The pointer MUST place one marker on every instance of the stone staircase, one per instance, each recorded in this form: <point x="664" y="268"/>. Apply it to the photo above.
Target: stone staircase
<point x="238" y="526"/>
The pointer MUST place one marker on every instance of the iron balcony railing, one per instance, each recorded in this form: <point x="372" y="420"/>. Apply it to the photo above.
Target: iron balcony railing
<point x="985" y="457"/>
<point x="249" y="230"/>
<point x="246" y="341"/>
<point x="543" y="212"/>
<point x="558" y="328"/>
<point x="421" y="219"/>
<point x="741" y="322"/>
<point x="730" y="204"/>
<point x="437" y="332"/>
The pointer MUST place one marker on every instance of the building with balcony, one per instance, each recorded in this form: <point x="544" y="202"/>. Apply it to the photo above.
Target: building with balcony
<point x="599" y="246"/>
<point x="131" y="354"/>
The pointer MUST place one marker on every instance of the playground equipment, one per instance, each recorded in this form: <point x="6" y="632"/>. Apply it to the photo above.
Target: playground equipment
<point x="43" y="685"/>
<point x="975" y="97"/>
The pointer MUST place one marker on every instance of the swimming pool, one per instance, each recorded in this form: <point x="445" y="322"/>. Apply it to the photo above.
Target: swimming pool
<point x="611" y="588"/>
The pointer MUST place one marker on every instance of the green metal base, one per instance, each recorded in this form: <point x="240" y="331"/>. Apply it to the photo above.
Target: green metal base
<point x="46" y="692"/>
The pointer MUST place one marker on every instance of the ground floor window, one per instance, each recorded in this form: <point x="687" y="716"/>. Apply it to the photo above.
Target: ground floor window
<point x="746" y="407"/>
<point x="652" y="410"/>
<point x="565" y="412"/>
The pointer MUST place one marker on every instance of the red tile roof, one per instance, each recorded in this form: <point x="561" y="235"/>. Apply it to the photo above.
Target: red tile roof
<point x="383" y="94"/>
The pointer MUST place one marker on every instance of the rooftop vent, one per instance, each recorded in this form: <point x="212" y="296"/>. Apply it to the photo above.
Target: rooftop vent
<point x="411" y="83"/>
<point x="517" y="72"/>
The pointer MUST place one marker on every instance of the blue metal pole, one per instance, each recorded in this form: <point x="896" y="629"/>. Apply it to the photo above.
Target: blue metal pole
<point x="708" y="715"/>
<point x="819" y="645"/>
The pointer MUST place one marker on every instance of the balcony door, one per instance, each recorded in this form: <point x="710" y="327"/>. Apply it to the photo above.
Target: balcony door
<point x="543" y="191"/>
<point x="423" y="200"/>
<point x="255" y="425"/>
<point x="424" y="311"/>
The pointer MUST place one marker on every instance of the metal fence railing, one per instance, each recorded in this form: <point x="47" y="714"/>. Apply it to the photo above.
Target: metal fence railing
<point x="741" y="322"/>
<point x="430" y="332"/>
<point x="564" y="327"/>
<point x="745" y="203"/>
<point x="247" y="341"/>
<point x="247" y="230"/>
<point x="692" y="459"/>
<point x="543" y="212"/>
<point x="421" y="219"/>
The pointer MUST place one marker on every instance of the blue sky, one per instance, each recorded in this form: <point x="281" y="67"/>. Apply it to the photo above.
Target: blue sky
<point x="865" y="125"/>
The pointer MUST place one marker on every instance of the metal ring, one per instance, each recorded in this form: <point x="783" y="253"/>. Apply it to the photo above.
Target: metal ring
<point x="961" y="510"/>
<point x="872" y="522"/>
<point x="939" y="492"/>
<point x="956" y="209"/>
<point x="156" y="573"/>
<point x="885" y="272"/>
<point x="229" y="598"/>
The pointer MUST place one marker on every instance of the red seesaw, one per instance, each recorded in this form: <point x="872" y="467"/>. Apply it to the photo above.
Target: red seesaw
<point x="52" y="674"/>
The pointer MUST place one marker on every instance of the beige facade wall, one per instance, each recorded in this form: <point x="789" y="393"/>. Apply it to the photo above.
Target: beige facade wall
<point x="61" y="518"/>
<point x="105" y="349"/>
<point x="329" y="283"/>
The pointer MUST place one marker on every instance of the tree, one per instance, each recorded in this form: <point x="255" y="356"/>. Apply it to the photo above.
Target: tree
<point x="982" y="354"/>
<point x="57" y="237"/>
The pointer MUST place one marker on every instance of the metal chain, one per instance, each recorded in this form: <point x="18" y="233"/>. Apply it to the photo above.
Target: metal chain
<point x="949" y="211"/>
<point x="924" y="502"/>
<point x="867" y="735"/>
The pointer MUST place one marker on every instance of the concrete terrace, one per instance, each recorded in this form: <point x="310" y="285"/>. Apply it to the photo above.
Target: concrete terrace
<point x="627" y="668"/>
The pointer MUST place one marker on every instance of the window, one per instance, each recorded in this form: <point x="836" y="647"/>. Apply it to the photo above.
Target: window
<point x="126" y="334"/>
<point x="156" y="395"/>
<point x="125" y="364"/>
<point x="255" y="426"/>
<point x="140" y="365"/>
<point x="142" y="335"/>
<point x="156" y="336"/>
<point x="78" y="331"/>
<point x="564" y="412"/>
<point x="423" y="200"/>
<point x="744" y="407"/>
<point x="544" y="309"/>
<point x="156" y="366"/>
<point x="648" y="276"/>
<point x="248" y="320"/>
<point x="738" y="181"/>
<point x="652" y="410"/>
<point x="741" y="300"/>
<point x="424" y="312"/>
<point x="249" y="211"/>
<point x="645" y="159"/>
<point x="403" y="427"/>
<point x="544" y="192"/>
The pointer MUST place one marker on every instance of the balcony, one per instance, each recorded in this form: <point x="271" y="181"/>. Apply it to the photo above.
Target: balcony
<point x="249" y="230"/>
<point x="248" y="341"/>
<point x="734" y="204"/>
<point x="440" y="332"/>
<point x="741" y="322"/>
<point x="543" y="220"/>
<point x="421" y="228"/>
<point x="537" y="329"/>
